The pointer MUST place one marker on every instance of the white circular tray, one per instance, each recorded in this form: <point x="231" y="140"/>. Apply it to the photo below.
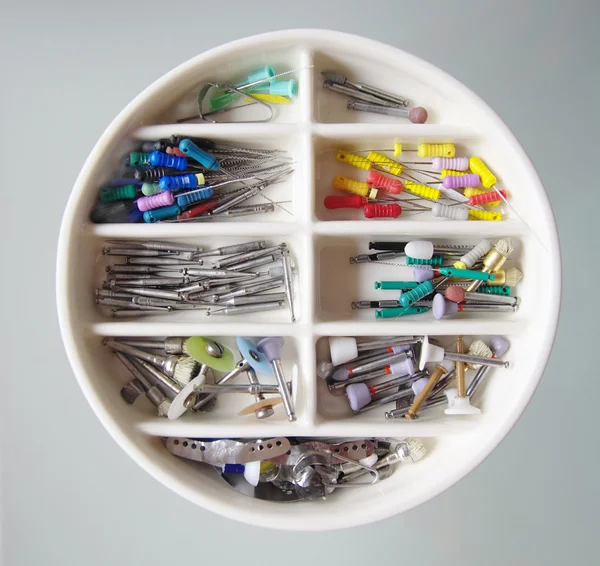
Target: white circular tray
<point x="321" y="242"/>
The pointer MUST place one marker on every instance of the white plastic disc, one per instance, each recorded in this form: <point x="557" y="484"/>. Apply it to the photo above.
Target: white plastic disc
<point x="177" y="407"/>
<point x="462" y="406"/>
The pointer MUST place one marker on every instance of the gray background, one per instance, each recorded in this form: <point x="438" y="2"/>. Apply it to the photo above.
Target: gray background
<point x="71" y="496"/>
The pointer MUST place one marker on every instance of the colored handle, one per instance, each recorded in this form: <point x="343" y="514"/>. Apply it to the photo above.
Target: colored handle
<point x="160" y="158"/>
<point x="195" y="197"/>
<point x="455" y="163"/>
<point x="332" y="202"/>
<point x="395" y="285"/>
<point x="446" y="172"/>
<point x="435" y="260"/>
<point x="436" y="150"/>
<point x="149" y="189"/>
<point x="382" y="210"/>
<point x="471" y="192"/>
<point x="199" y="209"/>
<point x="388" y="246"/>
<point x="385" y="163"/>
<point x="466" y="274"/>
<point x="422" y="190"/>
<point x="399" y="311"/>
<point x="485" y="198"/>
<point x="354" y="160"/>
<point x="477" y="166"/>
<point x="207" y="160"/>
<point x="165" y="198"/>
<point x="279" y="88"/>
<point x="386" y="184"/>
<point x="261" y="74"/>
<point x="484" y="215"/>
<point x="422" y="290"/>
<point x="139" y="159"/>
<point x="222" y="100"/>
<point x="157" y="214"/>
<point x="113" y="212"/>
<point x="268" y="98"/>
<point x="494" y="290"/>
<point x="351" y="186"/>
<point x="470" y="258"/>
<point x="171" y="182"/>
<point x="460" y="181"/>
<point x="110" y="194"/>
<point x="453" y="212"/>
<point x="174" y="151"/>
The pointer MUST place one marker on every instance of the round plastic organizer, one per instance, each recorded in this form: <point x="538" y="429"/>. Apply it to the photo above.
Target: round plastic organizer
<point x="320" y="241"/>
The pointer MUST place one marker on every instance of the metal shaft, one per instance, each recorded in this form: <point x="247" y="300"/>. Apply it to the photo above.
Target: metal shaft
<point x="151" y="281"/>
<point x="388" y="399"/>
<point x="162" y="261"/>
<point x="366" y="377"/>
<point x="383" y="342"/>
<point x="376" y="364"/>
<point x="252" y="289"/>
<point x="154" y="245"/>
<point x="364" y="96"/>
<point x="122" y="268"/>
<point x="411" y="413"/>
<point x="156" y="293"/>
<point x="251" y="388"/>
<point x="373" y="258"/>
<point x="254" y="299"/>
<point x="127" y="304"/>
<point x="191" y="306"/>
<point x="359" y="378"/>
<point x="475" y="360"/>
<point x="461" y="386"/>
<point x="128" y="313"/>
<point x="484" y="298"/>
<point x="444" y="382"/>
<point x="133" y="370"/>
<point x="166" y="384"/>
<point x="265" y="411"/>
<point x="474" y="385"/>
<point x="239" y="198"/>
<point x="136" y="252"/>
<point x="380" y="94"/>
<point x="488" y="308"/>
<point x="112" y="294"/>
<point x="284" y="391"/>
<point x="433" y="402"/>
<point x="377" y="108"/>
<point x="241" y="366"/>
<point x="247" y="210"/>
<point x="395" y="382"/>
<point x="260" y="307"/>
<point x="384" y="304"/>
<point x="171" y="345"/>
<point x="153" y="393"/>
<point x="256" y="262"/>
<point x="167" y="364"/>
<point x="235" y="249"/>
<point x="368" y="356"/>
<point x="287" y="281"/>
<point x="239" y="258"/>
